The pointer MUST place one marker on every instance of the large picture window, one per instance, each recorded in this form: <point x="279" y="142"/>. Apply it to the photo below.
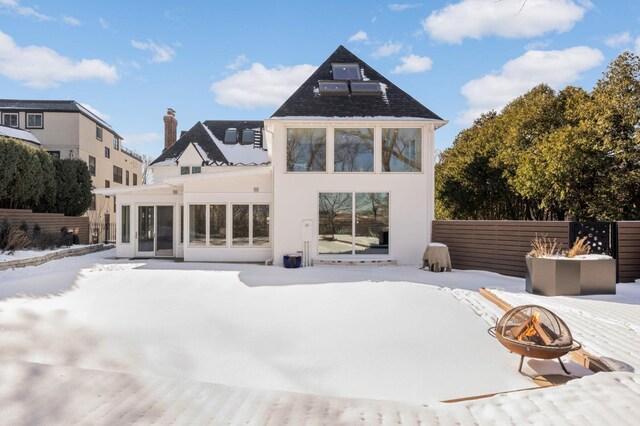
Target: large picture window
<point x="197" y="224"/>
<point x="306" y="150"/>
<point x="353" y="150"/>
<point x="240" y="225"/>
<point x="401" y="150"/>
<point x="353" y="223"/>
<point x="126" y="224"/>
<point x="217" y="224"/>
<point x="260" y="225"/>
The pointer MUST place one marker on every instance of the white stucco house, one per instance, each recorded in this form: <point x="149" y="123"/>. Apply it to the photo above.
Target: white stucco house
<point x="342" y="172"/>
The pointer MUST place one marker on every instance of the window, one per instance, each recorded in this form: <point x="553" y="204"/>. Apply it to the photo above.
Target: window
<point x="197" y="224"/>
<point x="107" y="152"/>
<point x="365" y="87"/>
<point x="107" y="184"/>
<point x="10" y="119"/>
<point x="353" y="150"/>
<point x="56" y="155"/>
<point x="117" y="174"/>
<point x="99" y="133"/>
<point x="330" y="87"/>
<point x="184" y="170"/>
<point x="248" y="137"/>
<point x="92" y="165"/>
<point x="240" y="225"/>
<point x="135" y="179"/>
<point x="401" y="150"/>
<point x="181" y="222"/>
<point x="260" y="225"/>
<point x="353" y="223"/>
<point x="34" y="120"/>
<point x="231" y="136"/>
<point x="196" y="170"/>
<point x="127" y="177"/>
<point x="126" y="225"/>
<point x="306" y="150"/>
<point x="346" y="71"/>
<point x="218" y="224"/>
<point x="116" y="143"/>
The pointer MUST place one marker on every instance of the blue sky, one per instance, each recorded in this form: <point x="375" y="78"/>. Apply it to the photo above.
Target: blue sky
<point x="239" y="60"/>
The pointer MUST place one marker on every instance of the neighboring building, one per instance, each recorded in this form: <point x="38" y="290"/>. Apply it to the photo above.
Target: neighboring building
<point x="23" y="136"/>
<point x="343" y="171"/>
<point x="66" y="129"/>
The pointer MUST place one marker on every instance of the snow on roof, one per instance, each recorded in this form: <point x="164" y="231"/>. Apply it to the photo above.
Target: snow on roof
<point x="24" y="135"/>
<point x="238" y="153"/>
<point x="202" y="152"/>
<point x="166" y="162"/>
<point x="357" y="118"/>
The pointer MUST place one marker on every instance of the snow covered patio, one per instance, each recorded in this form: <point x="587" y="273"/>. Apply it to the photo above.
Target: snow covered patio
<point x="388" y="333"/>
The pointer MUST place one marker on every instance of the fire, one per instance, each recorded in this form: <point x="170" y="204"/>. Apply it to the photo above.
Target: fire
<point x="531" y="329"/>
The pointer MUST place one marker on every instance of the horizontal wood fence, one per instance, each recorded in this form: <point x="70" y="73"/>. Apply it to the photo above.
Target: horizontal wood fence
<point x="629" y="251"/>
<point x="501" y="245"/>
<point x="49" y="222"/>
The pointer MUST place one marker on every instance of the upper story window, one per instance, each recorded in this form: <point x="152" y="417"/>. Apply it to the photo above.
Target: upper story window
<point x="92" y="165"/>
<point x="185" y="170"/>
<point x="306" y="150"/>
<point x="126" y="177"/>
<point x="10" y="119"/>
<point x="34" y="120"/>
<point x="107" y="184"/>
<point x="117" y="174"/>
<point x="196" y="170"/>
<point x="135" y="179"/>
<point x="353" y="150"/>
<point x="349" y="71"/>
<point x="401" y="150"/>
<point x="107" y="152"/>
<point x="54" y="154"/>
<point x="99" y="133"/>
<point x="116" y="143"/>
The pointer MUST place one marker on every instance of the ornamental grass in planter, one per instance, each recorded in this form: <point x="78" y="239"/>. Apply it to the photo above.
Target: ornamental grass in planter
<point x="554" y="272"/>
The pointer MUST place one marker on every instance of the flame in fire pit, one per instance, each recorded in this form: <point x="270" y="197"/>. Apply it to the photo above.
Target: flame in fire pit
<point x="531" y="328"/>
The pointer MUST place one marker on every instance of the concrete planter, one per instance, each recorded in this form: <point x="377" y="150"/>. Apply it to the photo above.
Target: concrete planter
<point x="561" y="276"/>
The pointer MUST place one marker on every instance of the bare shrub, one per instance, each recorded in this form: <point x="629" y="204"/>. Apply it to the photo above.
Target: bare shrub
<point x="17" y="240"/>
<point x="47" y="240"/>
<point x="580" y="247"/>
<point x="544" y="246"/>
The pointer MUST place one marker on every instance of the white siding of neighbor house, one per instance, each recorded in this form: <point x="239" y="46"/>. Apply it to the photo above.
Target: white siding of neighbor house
<point x="411" y="195"/>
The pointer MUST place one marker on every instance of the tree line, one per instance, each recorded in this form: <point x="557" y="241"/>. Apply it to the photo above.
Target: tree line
<point x="550" y="155"/>
<point x="31" y="179"/>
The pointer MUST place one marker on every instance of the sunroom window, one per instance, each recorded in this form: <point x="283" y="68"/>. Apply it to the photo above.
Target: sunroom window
<point x="306" y="150"/>
<point x="401" y="150"/>
<point x="353" y="150"/>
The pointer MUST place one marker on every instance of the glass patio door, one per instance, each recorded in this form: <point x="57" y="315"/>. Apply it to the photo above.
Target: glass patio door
<point x="146" y="230"/>
<point x="164" y="236"/>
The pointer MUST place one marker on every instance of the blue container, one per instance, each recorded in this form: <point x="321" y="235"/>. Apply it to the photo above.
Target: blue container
<point x="292" y="260"/>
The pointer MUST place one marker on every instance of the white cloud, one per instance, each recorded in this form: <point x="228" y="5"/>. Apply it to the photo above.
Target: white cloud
<point x="70" y="20"/>
<point x="14" y="6"/>
<point x="554" y="67"/>
<point x="39" y="66"/>
<point x="105" y="117"/>
<point x="103" y="23"/>
<point x="161" y="52"/>
<point x="399" y="7"/>
<point x="537" y="45"/>
<point x="413" y="64"/>
<point x="260" y="86"/>
<point x="511" y="19"/>
<point x="238" y="62"/>
<point x="143" y="138"/>
<point x="618" y="40"/>
<point x="387" y="49"/>
<point x="359" y="36"/>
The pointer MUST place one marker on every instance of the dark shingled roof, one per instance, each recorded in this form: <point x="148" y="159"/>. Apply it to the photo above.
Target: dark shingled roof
<point x="307" y="102"/>
<point x="53" y="106"/>
<point x="200" y="135"/>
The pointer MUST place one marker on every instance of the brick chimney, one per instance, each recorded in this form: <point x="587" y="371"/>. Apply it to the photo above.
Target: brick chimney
<point x="170" y="128"/>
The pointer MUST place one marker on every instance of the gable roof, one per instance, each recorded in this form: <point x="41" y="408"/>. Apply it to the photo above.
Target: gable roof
<point x="53" y="106"/>
<point x="207" y="138"/>
<point x="307" y="101"/>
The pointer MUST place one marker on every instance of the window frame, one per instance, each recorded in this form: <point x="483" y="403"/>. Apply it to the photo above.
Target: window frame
<point x="326" y="151"/>
<point x="116" y="143"/>
<point x="135" y="179"/>
<point x="92" y="173"/>
<point x="196" y="170"/>
<point x="99" y="133"/>
<point x="54" y="154"/>
<point x="28" y="126"/>
<point x="373" y="151"/>
<point x="128" y="223"/>
<point x="421" y="132"/>
<point x="11" y="114"/>
<point x="107" y="152"/>
<point x="126" y="177"/>
<point x="117" y="177"/>
<point x="185" y="170"/>
<point x="334" y="65"/>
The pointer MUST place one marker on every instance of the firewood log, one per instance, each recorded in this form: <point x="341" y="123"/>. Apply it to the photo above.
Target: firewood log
<point x="543" y="334"/>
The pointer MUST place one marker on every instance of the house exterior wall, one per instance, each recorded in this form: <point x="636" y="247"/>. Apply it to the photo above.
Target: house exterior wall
<point x="411" y="195"/>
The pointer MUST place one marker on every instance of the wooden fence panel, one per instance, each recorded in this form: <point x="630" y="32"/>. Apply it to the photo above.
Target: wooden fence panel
<point x="500" y="245"/>
<point x="49" y="222"/>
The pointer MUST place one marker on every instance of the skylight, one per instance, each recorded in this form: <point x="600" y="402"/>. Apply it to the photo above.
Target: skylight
<point x="330" y="87"/>
<point x="346" y="71"/>
<point x="231" y="136"/>
<point x="248" y="137"/>
<point x="370" y="87"/>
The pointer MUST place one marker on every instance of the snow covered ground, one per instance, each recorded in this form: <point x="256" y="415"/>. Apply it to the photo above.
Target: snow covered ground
<point x="249" y="340"/>
<point x="26" y="254"/>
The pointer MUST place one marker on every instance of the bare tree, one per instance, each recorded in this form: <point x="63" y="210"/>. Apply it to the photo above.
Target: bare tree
<point x="147" y="173"/>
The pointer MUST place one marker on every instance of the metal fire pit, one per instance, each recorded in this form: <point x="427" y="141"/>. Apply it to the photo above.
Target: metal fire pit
<point x="534" y="332"/>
